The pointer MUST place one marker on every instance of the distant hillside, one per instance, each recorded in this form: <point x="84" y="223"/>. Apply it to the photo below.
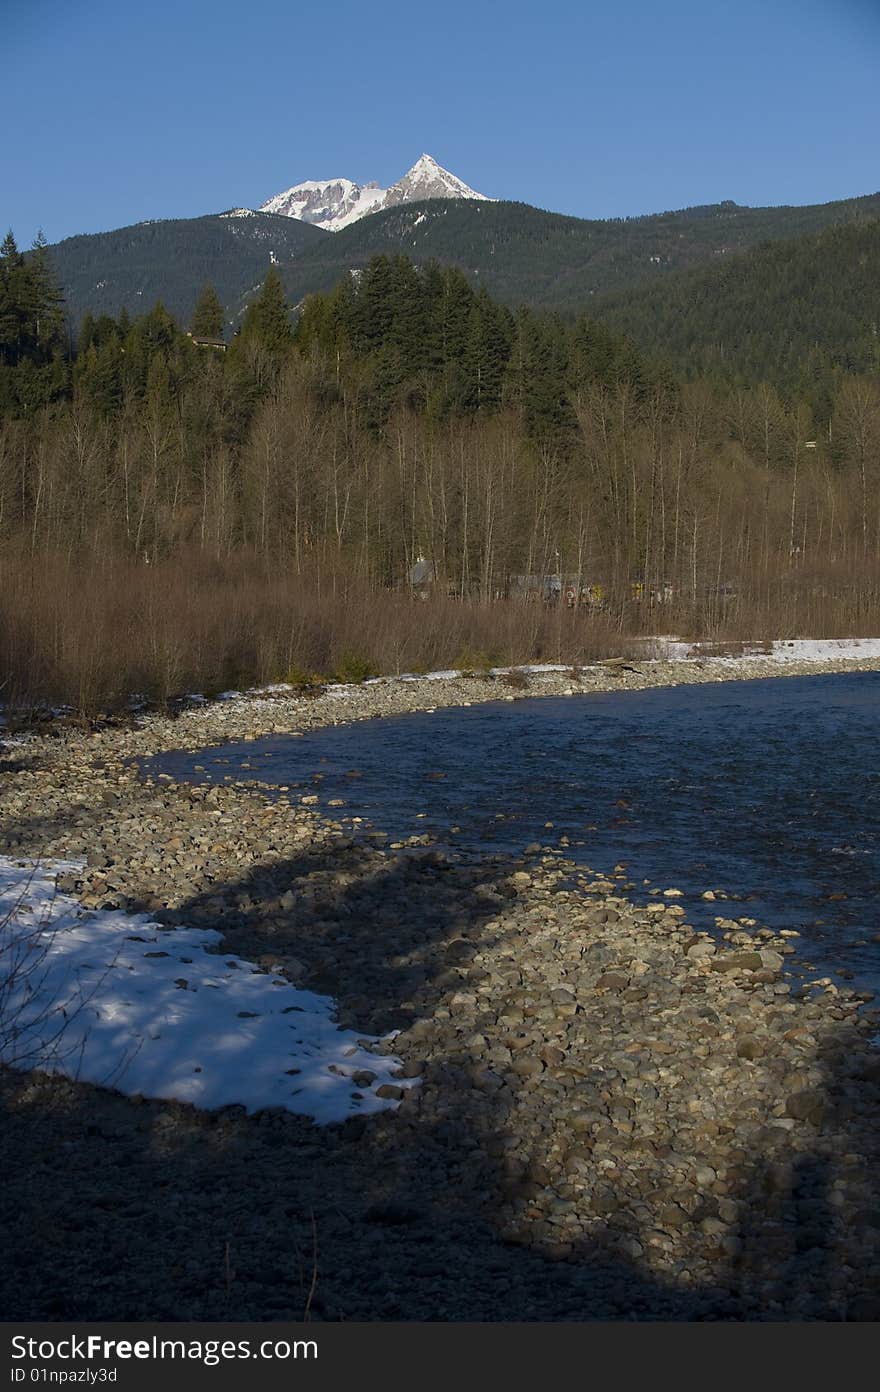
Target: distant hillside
<point x="520" y="254"/>
<point x="170" y="260"/>
<point x="525" y="256"/>
<point x="792" y="312"/>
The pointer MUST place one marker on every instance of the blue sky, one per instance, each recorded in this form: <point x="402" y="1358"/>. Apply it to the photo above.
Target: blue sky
<point x="120" y="111"/>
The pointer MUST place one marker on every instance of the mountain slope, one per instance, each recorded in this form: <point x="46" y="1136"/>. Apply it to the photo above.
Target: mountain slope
<point x="336" y="203"/>
<point x="524" y="255"/>
<point x="521" y="254"/>
<point x="793" y="311"/>
<point x="170" y="260"/>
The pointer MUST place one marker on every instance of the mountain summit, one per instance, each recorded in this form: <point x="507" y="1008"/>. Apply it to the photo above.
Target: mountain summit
<point x="428" y="179"/>
<point x="334" y="203"/>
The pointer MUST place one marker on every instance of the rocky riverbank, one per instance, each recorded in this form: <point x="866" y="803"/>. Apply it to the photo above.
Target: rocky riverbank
<point x="617" y="1117"/>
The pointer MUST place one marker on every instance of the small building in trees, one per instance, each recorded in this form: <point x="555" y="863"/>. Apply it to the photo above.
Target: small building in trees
<point x="203" y="342"/>
<point x="422" y="577"/>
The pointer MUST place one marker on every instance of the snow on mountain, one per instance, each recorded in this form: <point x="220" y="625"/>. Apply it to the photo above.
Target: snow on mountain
<point x="334" y="203"/>
<point x="330" y="203"/>
<point x="428" y="179"/>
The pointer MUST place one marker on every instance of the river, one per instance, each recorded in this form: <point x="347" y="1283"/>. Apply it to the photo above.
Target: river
<point x="766" y="791"/>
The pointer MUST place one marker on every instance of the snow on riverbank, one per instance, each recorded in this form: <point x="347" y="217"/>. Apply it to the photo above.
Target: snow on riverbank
<point x="111" y="998"/>
<point x="662" y="649"/>
<point x="735" y="660"/>
<point x="780" y="650"/>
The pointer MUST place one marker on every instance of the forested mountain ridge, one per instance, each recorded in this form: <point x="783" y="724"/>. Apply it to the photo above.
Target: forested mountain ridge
<point x="404" y="336"/>
<point x="799" y="313"/>
<point x="523" y="255"/>
<point x="520" y="254"/>
<point x="170" y="259"/>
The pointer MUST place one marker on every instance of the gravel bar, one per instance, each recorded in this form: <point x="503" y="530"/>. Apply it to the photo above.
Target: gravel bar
<point x="617" y="1117"/>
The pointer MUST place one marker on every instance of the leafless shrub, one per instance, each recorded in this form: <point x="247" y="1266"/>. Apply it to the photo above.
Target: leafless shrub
<point x="86" y="636"/>
<point x="82" y="635"/>
<point x="35" y="1019"/>
<point x="515" y="678"/>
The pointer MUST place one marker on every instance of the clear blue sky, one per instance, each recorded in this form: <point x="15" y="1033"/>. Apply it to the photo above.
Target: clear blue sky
<point x="119" y="110"/>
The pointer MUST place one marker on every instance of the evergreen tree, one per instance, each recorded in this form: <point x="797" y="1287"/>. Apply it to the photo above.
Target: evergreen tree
<point x="326" y="321"/>
<point x="374" y="305"/>
<point x="433" y="290"/>
<point x="455" y="316"/>
<point x="487" y="353"/>
<point x="46" y="301"/>
<point x="13" y="297"/>
<point x="542" y="388"/>
<point x="207" y="320"/>
<point x="267" y="318"/>
<point x="154" y="335"/>
<point x="32" y="329"/>
<point x="107" y="330"/>
<point x="408" y="330"/>
<point x="99" y="376"/>
<point x="86" y="334"/>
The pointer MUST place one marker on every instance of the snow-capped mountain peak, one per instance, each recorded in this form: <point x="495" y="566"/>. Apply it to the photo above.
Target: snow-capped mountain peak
<point x="428" y="179"/>
<point x="334" y="203"/>
<point x="329" y="203"/>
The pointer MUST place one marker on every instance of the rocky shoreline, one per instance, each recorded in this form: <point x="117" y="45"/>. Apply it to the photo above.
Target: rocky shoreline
<point x="617" y="1117"/>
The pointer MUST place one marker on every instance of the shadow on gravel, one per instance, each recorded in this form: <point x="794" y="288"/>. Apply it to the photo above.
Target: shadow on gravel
<point x="809" y="1221"/>
<point x="11" y="764"/>
<point x="119" y="1209"/>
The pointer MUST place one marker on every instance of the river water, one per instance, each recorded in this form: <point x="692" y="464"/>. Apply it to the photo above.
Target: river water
<point x="767" y="790"/>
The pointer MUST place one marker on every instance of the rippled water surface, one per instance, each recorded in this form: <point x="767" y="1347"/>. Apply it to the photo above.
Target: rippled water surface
<point x="766" y="789"/>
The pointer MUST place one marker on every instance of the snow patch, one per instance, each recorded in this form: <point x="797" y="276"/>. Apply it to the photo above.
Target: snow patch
<point x="113" y="999"/>
<point x="780" y="650"/>
<point x="658" y="649"/>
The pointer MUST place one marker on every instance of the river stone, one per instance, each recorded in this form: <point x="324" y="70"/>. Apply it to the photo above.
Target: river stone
<point x="770" y="959"/>
<point x="461" y="1002"/>
<point x="612" y="981"/>
<point x="737" y="961"/>
<point x="807" y="1105"/>
<point x="526" y="1066"/>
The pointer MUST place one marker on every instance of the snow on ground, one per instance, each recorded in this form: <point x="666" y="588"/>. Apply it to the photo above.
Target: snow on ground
<point x="111" y="998"/>
<point x="657" y="649"/>
<point x="662" y="649"/>
<point x="780" y="650"/>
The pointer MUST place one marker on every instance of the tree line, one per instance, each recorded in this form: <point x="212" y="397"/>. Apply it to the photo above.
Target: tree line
<point x="406" y="418"/>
